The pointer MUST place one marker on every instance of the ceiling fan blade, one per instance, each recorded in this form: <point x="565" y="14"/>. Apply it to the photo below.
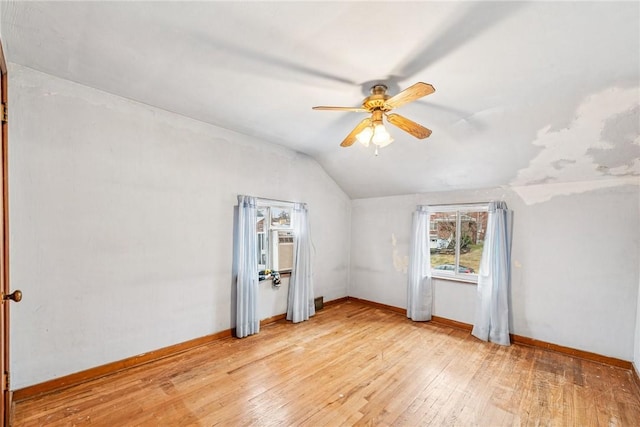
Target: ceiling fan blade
<point x="356" y="109"/>
<point x="411" y="93"/>
<point x="475" y="18"/>
<point x="351" y="138"/>
<point x="409" y="126"/>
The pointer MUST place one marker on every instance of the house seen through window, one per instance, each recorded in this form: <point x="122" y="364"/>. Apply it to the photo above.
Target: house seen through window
<point x="456" y="240"/>
<point x="275" y="240"/>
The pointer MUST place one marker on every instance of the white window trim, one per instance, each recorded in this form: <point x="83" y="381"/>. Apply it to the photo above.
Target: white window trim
<point x="478" y="207"/>
<point x="271" y="232"/>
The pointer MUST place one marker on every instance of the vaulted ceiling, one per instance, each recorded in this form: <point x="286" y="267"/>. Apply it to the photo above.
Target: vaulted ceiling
<point x="526" y="93"/>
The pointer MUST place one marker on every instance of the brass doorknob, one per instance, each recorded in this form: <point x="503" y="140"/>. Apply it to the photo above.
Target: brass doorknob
<point x="16" y="296"/>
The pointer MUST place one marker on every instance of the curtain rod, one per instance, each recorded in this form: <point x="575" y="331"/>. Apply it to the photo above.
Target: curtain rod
<point x="286" y="202"/>
<point x="461" y="204"/>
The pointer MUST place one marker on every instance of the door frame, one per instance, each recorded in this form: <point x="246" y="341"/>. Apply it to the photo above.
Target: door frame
<point x="5" y="406"/>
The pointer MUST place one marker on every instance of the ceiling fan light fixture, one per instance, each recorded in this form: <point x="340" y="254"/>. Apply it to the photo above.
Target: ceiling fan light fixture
<point x="365" y="136"/>
<point x="381" y="136"/>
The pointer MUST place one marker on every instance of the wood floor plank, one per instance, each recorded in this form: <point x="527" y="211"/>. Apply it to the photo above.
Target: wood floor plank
<point x="351" y="364"/>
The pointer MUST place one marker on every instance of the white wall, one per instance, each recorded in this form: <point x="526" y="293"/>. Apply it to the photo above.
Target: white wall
<point x="122" y="221"/>
<point x="273" y="299"/>
<point x="575" y="264"/>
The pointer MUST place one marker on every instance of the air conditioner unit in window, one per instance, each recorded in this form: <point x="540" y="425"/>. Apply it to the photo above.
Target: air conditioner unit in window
<point x="285" y="250"/>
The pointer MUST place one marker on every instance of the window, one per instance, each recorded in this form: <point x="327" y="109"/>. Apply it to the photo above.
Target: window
<point x="280" y="217"/>
<point x="275" y="240"/>
<point x="456" y="240"/>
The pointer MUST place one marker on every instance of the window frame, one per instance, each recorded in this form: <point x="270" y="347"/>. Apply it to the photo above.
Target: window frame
<point x="454" y="275"/>
<point x="271" y="244"/>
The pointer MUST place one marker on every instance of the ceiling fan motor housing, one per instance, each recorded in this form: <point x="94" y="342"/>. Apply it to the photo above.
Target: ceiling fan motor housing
<point x="376" y="117"/>
<point x="377" y="98"/>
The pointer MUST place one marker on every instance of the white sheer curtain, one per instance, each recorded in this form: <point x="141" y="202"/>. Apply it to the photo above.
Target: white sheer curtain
<point x="300" y="304"/>
<point x="247" y="321"/>
<point x="419" y="286"/>
<point x="494" y="278"/>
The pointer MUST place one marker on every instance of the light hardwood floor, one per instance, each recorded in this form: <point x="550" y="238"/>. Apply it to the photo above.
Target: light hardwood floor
<point x="351" y="364"/>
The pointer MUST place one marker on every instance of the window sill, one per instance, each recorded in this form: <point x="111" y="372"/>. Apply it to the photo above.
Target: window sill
<point x="468" y="281"/>
<point x="283" y="274"/>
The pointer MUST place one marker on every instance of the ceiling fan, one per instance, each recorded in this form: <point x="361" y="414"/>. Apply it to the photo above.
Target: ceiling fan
<point x="379" y="103"/>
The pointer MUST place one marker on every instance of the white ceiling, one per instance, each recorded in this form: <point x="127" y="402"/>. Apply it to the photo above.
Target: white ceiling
<point x="526" y="93"/>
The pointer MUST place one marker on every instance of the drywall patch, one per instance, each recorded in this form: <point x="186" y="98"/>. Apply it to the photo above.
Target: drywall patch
<point x="602" y="140"/>
<point x="559" y="164"/>
<point x="400" y="263"/>
<point x="622" y="132"/>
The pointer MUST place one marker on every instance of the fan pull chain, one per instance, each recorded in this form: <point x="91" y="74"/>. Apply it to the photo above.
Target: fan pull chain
<point x="376" y="153"/>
